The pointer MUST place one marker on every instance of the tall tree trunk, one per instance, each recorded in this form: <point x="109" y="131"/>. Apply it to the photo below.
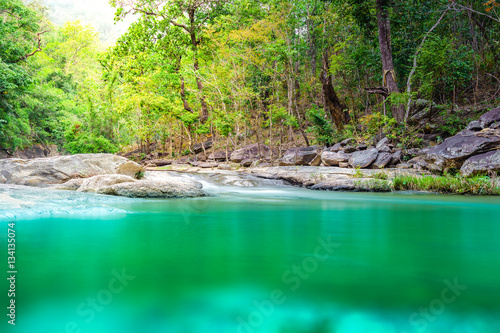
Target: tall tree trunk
<point x="196" y="67"/>
<point x="333" y="105"/>
<point x="384" y="38"/>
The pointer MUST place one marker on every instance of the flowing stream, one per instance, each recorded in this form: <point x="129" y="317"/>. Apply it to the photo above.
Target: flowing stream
<point x="257" y="256"/>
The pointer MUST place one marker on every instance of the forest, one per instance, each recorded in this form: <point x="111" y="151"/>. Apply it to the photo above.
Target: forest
<point x="280" y="72"/>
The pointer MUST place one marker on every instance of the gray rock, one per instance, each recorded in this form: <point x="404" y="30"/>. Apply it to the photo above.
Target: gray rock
<point x="413" y="152"/>
<point x="344" y="165"/>
<point x="490" y="117"/>
<point x="419" y="163"/>
<point x="362" y="147"/>
<point x="495" y="125"/>
<point x="198" y="148"/>
<point x="316" y="161"/>
<point x="207" y="165"/>
<point x="334" y="159"/>
<point x="349" y="149"/>
<point x="70" y="185"/>
<point x="225" y="167"/>
<point x="155" y="189"/>
<point x="57" y="170"/>
<point x="385" y="149"/>
<point x="453" y="152"/>
<point x="251" y="153"/>
<point x="300" y="156"/>
<point x="396" y="157"/>
<point x="93" y="184"/>
<point x="348" y="142"/>
<point x="382" y="160"/>
<point x="482" y="164"/>
<point x="404" y="166"/>
<point x="246" y="163"/>
<point x="160" y="163"/>
<point x="474" y="126"/>
<point x="363" y="159"/>
<point x="382" y="143"/>
<point x="220" y="156"/>
<point x="335" y="148"/>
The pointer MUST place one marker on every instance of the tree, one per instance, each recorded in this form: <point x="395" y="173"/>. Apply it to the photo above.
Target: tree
<point x="189" y="15"/>
<point x="389" y="73"/>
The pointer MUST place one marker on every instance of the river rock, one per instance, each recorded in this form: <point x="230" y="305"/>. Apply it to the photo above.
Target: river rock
<point x="348" y="142"/>
<point x="396" y="157"/>
<point x="349" y="149"/>
<point x="300" y="156"/>
<point x="198" y="148"/>
<point x="381" y="143"/>
<point x="453" y="152"/>
<point x="246" y="163"/>
<point x="474" y="126"/>
<point x="93" y="184"/>
<point x="336" y="147"/>
<point x="220" y="156"/>
<point x="155" y="189"/>
<point x="489" y="118"/>
<point x="382" y="160"/>
<point x="334" y="159"/>
<point x="70" y="185"/>
<point x="160" y="162"/>
<point x="482" y="164"/>
<point x="60" y="169"/>
<point x="251" y="153"/>
<point x="131" y="169"/>
<point x="364" y="158"/>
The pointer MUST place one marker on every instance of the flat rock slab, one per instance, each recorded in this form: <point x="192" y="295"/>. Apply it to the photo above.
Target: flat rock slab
<point x="453" y="152"/>
<point x="482" y="164"/>
<point x="43" y="172"/>
<point x="155" y="189"/>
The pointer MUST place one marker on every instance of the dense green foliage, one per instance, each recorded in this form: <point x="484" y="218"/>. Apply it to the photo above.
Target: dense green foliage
<point x="239" y="72"/>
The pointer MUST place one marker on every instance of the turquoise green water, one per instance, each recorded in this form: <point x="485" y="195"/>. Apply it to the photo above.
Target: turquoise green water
<point x="258" y="261"/>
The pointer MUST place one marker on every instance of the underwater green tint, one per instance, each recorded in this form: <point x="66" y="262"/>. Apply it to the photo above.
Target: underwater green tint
<point x="276" y="260"/>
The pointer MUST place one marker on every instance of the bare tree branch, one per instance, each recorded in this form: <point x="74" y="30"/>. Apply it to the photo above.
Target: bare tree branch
<point x="38" y="49"/>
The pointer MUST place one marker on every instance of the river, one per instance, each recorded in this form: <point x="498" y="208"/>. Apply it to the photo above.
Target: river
<point x="268" y="258"/>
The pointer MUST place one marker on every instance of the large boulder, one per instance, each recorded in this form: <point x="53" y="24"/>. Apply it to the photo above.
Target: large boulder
<point x="382" y="160"/>
<point x="490" y="118"/>
<point x="300" y="156"/>
<point x="334" y="159"/>
<point x="93" y="184"/>
<point x="155" y="189"/>
<point x="453" y="152"/>
<point x="482" y="164"/>
<point x="364" y="158"/>
<point x="251" y="152"/>
<point x="60" y="169"/>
